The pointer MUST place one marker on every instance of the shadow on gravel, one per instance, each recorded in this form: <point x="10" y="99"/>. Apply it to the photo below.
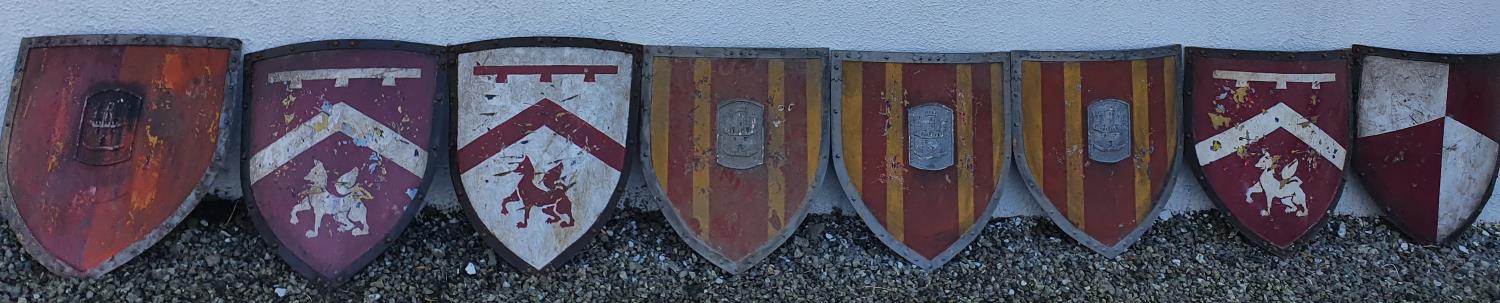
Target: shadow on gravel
<point x="215" y="256"/>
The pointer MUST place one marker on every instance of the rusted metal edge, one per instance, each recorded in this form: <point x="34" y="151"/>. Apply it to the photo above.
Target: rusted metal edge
<point x="1189" y="56"/>
<point x="736" y="52"/>
<point x="1107" y="55"/>
<point x="226" y="121"/>
<point x="439" y="124"/>
<point x="680" y="227"/>
<point x="631" y="145"/>
<point x="837" y="96"/>
<point x="1018" y="141"/>
<point x="1362" y="51"/>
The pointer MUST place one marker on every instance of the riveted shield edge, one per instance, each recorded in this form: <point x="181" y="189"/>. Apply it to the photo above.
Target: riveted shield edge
<point x="1191" y="53"/>
<point x="439" y="125"/>
<point x="865" y="214"/>
<point x="227" y="118"/>
<point x="1358" y="54"/>
<point x="631" y="140"/>
<point x="680" y="227"/>
<point x="1019" y="149"/>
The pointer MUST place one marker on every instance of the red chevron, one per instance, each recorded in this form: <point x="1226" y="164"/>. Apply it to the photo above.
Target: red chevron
<point x="544" y="114"/>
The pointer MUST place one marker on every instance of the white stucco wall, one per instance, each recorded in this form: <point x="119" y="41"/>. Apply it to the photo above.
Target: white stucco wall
<point x="927" y="26"/>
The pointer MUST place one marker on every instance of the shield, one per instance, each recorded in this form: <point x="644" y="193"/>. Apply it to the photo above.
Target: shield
<point x="736" y="142"/>
<point x="115" y="140"/>
<point x="1097" y="139"/>
<point x="1426" y="127"/>
<point x="339" y="137"/>
<point x="544" y="138"/>
<point x="922" y="144"/>
<point x="1271" y="133"/>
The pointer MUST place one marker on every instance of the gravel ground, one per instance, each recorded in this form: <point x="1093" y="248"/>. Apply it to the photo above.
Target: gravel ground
<point x="216" y="256"/>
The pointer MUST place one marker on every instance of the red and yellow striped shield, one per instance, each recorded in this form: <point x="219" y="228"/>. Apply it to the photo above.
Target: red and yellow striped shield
<point x="735" y="140"/>
<point x="922" y="146"/>
<point x="1098" y="137"/>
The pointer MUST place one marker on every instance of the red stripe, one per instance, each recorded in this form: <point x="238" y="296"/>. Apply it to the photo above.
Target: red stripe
<point x="795" y="132"/>
<point x="1472" y="91"/>
<point x="1408" y="189"/>
<point x="1054" y="157"/>
<point x="1158" y="119"/>
<point x="874" y="139"/>
<point x="739" y="196"/>
<point x="548" y="114"/>
<point x="1108" y="188"/>
<point x="931" y="197"/>
<point x="680" y="147"/>
<point x="984" y="143"/>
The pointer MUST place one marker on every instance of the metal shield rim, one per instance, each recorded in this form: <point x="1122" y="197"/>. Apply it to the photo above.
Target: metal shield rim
<point x="227" y="117"/>
<point x="1191" y="53"/>
<point x="631" y="147"/>
<point x="837" y="97"/>
<point x="793" y="223"/>
<point x="1359" y="54"/>
<point x="414" y="209"/>
<point x="1018" y="143"/>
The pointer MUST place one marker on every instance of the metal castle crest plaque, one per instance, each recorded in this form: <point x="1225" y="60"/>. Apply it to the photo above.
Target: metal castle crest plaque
<point x="1109" y="130"/>
<point x="930" y="141"/>
<point x="741" y="143"/>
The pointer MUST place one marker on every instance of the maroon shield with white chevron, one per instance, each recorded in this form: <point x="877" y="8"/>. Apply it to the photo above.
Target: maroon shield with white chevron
<point x="1427" y="130"/>
<point x="338" y="136"/>
<point x="1271" y="133"/>
<point x="543" y="126"/>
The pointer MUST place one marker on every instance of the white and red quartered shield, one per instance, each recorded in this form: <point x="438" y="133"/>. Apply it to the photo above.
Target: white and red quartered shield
<point x="1426" y="137"/>
<point x="339" y="135"/>
<point x="1270" y="133"/>
<point x="543" y="126"/>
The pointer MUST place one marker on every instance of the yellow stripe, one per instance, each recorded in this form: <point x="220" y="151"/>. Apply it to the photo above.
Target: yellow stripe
<point x="1169" y="84"/>
<point x="1031" y="115"/>
<point x="965" y="129"/>
<point x="814" y="87"/>
<point x="1141" y="118"/>
<point x="852" y="109"/>
<point x="895" y="147"/>
<point x="776" y="193"/>
<point x="661" y="93"/>
<point x="997" y="122"/>
<point x="702" y="132"/>
<point x="1073" y="117"/>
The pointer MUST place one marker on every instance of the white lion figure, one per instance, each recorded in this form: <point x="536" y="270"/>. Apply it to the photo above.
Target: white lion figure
<point x="344" y="201"/>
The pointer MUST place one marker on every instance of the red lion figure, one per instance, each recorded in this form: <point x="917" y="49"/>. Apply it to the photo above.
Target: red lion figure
<point x="553" y="200"/>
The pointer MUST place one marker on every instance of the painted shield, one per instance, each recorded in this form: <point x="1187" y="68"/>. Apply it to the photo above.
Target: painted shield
<point x="922" y="146"/>
<point x="544" y="138"/>
<point x="115" y="140"/>
<point x="339" y="136"/>
<point x="1426" y="127"/>
<point x="1096" y="133"/>
<point x="736" y="144"/>
<point x="1271" y="133"/>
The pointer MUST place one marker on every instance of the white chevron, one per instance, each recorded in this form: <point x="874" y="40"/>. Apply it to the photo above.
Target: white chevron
<point x="1279" y="116"/>
<point x="339" y="118"/>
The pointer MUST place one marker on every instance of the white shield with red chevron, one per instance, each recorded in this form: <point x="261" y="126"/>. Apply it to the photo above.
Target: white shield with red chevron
<point x="542" y="131"/>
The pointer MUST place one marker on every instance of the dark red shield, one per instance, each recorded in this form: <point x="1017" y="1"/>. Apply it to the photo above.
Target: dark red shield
<point x="545" y="135"/>
<point x="338" y="136"/>
<point x="1426" y="131"/>
<point x="1271" y="133"/>
<point x="923" y="146"/>
<point x="1097" y="138"/>
<point x="111" y="141"/>
<point x="736" y="142"/>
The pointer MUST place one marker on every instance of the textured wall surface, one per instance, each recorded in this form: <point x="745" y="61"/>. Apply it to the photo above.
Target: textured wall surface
<point x="935" y="26"/>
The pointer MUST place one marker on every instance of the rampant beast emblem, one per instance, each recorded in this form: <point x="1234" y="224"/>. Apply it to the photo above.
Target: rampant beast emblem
<point x="344" y="201"/>
<point x="551" y="197"/>
<point x="1287" y="189"/>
